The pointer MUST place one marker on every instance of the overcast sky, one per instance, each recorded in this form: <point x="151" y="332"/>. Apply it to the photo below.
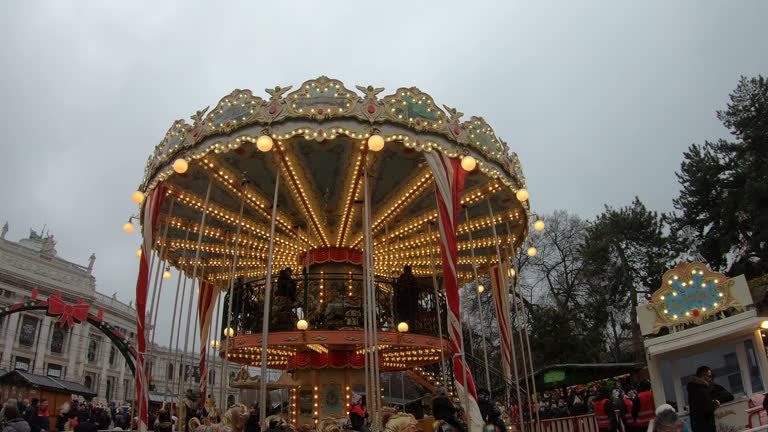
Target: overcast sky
<point x="599" y="99"/>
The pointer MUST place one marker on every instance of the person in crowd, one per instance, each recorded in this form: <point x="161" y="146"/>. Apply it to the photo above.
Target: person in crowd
<point x="591" y="397"/>
<point x="667" y="420"/>
<point x="42" y="418"/>
<point x="603" y="409"/>
<point x="358" y="412"/>
<point x="101" y="421"/>
<point x="63" y="417"/>
<point x="700" y="402"/>
<point x="406" y="296"/>
<point x="252" y="425"/>
<point x="11" y="401"/>
<point x="164" y="422"/>
<point x="30" y="415"/>
<point x="86" y="425"/>
<point x="443" y="409"/>
<point x="22" y="405"/>
<point x="488" y="410"/>
<point x="643" y="407"/>
<point x="576" y="401"/>
<point x="12" y="420"/>
<point x="629" y="416"/>
<point x="286" y="286"/>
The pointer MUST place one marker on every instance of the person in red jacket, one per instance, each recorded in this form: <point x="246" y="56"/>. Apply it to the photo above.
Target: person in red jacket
<point x="357" y="413"/>
<point x="603" y="409"/>
<point x="629" y="416"/>
<point x="643" y="407"/>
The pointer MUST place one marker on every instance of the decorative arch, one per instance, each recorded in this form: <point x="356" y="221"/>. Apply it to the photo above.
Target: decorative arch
<point x="69" y="315"/>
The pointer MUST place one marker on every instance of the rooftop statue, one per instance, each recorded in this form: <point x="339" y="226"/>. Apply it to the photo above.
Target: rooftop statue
<point x="91" y="260"/>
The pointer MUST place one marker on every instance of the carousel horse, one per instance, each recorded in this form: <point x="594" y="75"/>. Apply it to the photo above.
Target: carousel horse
<point x="188" y="404"/>
<point x="193" y="424"/>
<point x="401" y="422"/>
<point x="386" y="413"/>
<point x="280" y="422"/>
<point x="206" y="426"/>
<point x="234" y="419"/>
<point x="333" y="424"/>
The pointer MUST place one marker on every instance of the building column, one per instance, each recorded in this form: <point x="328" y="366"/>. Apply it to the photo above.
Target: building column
<point x="679" y="396"/>
<point x="119" y="389"/>
<point x="741" y="357"/>
<point x="74" y="346"/>
<point x="659" y="398"/>
<point x="42" y="345"/>
<point x="10" y="339"/>
<point x="104" y="362"/>
<point x="83" y="353"/>
<point x="762" y="359"/>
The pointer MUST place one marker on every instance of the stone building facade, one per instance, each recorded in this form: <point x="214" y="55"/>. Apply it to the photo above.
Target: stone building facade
<point x="34" y="342"/>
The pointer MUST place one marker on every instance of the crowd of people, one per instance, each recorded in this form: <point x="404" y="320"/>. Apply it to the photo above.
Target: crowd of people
<point x="33" y="416"/>
<point x="618" y="406"/>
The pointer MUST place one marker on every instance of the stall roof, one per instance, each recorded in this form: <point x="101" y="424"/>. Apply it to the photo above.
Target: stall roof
<point x="46" y="383"/>
<point x="160" y="398"/>
<point x="569" y="374"/>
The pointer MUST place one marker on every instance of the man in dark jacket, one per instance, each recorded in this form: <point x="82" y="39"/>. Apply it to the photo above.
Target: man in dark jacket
<point x="443" y="409"/>
<point x="30" y="415"/>
<point x="488" y="410"/>
<point x="13" y="420"/>
<point x="700" y="402"/>
<point x="406" y="296"/>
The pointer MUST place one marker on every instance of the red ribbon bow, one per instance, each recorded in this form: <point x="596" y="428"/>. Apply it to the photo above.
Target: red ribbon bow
<point x="70" y="314"/>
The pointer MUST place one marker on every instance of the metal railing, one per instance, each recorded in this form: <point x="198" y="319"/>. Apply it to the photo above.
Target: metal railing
<point x="582" y="423"/>
<point x="333" y="301"/>
<point x="501" y="386"/>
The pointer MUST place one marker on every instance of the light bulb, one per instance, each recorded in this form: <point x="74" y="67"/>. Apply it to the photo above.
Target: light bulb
<point x="375" y="143"/>
<point x="302" y="325"/>
<point x="511" y="272"/>
<point x="402" y="327"/>
<point x="468" y="163"/>
<point x="137" y="197"/>
<point x="128" y="227"/>
<point x="522" y="195"/>
<point x="480" y="289"/>
<point x="264" y="143"/>
<point x="166" y="274"/>
<point x="538" y="225"/>
<point x="229" y="332"/>
<point x="180" y="166"/>
<point x="532" y="251"/>
<point x="214" y="344"/>
<point x="138" y="253"/>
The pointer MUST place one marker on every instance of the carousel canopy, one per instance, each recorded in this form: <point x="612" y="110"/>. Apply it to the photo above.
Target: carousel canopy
<point x="317" y="138"/>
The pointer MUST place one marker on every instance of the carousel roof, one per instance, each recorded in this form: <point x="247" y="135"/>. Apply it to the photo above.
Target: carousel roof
<point x="319" y="134"/>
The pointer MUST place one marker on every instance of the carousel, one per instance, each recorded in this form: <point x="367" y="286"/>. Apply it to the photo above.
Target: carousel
<point x="324" y="233"/>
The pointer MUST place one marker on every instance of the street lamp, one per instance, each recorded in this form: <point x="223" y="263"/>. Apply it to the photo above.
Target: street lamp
<point x="402" y="327"/>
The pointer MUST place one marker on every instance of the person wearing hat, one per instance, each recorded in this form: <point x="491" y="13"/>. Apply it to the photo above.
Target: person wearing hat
<point x="286" y="286"/>
<point x="443" y="409"/>
<point x="701" y="404"/>
<point x="666" y="420"/>
<point x="357" y="412"/>
<point x="489" y="411"/>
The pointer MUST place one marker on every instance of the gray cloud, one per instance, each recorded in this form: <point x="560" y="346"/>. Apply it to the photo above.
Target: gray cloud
<point x="599" y="99"/>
